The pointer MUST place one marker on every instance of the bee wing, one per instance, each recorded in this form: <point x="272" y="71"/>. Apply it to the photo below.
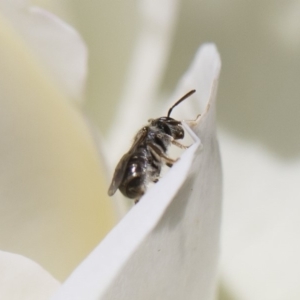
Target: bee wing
<point x="119" y="174"/>
<point x="121" y="166"/>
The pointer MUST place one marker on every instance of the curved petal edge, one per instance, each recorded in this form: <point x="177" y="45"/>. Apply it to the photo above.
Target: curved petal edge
<point x="167" y="246"/>
<point x="57" y="46"/>
<point x="21" y="278"/>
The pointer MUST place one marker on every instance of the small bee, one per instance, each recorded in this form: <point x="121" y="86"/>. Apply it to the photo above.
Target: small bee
<point x="143" y="162"/>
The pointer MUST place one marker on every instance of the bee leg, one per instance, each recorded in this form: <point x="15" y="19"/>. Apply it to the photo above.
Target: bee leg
<point x="174" y="142"/>
<point x="193" y="123"/>
<point x="170" y="139"/>
<point x="136" y="201"/>
<point x="169" y="165"/>
<point x="156" y="180"/>
<point x="161" y="155"/>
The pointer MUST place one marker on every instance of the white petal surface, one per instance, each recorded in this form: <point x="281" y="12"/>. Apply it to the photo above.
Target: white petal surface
<point x="23" y="279"/>
<point x="56" y="45"/>
<point x="167" y="246"/>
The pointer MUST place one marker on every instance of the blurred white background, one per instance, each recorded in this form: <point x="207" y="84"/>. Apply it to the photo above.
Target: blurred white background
<point x="259" y="43"/>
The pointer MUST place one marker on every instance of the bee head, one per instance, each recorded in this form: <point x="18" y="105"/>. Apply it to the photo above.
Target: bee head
<point x="169" y="126"/>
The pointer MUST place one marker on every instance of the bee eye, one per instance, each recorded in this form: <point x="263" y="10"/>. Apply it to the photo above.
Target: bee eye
<point x="161" y="126"/>
<point x="164" y="128"/>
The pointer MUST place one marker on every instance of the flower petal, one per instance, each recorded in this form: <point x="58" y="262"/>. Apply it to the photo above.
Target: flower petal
<point x="56" y="45"/>
<point x="23" y="279"/>
<point x="167" y="246"/>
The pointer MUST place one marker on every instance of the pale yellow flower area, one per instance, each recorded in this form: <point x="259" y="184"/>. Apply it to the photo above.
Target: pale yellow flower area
<point x="54" y="207"/>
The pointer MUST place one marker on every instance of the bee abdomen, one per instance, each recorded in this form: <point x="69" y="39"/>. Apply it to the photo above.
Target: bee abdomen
<point x="135" y="179"/>
<point x="134" y="187"/>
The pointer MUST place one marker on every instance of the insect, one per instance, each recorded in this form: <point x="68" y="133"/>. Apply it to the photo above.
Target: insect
<point x="143" y="162"/>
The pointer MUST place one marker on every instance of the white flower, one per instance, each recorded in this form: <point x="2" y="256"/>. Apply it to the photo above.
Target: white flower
<point x="258" y="114"/>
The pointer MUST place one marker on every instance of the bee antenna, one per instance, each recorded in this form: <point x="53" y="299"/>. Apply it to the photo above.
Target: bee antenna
<point x="180" y="100"/>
